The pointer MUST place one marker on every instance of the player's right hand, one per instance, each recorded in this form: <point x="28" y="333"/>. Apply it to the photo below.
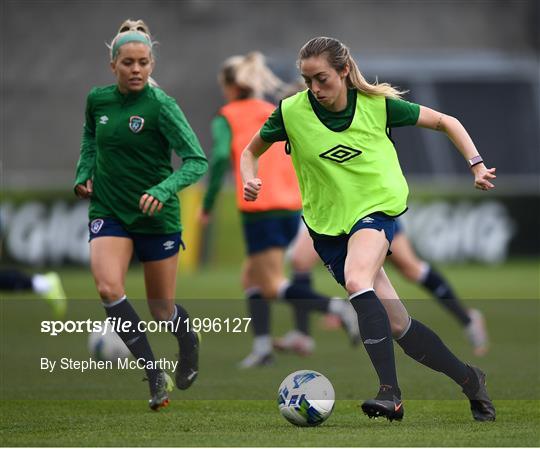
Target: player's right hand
<point x="84" y="190"/>
<point x="252" y="189"/>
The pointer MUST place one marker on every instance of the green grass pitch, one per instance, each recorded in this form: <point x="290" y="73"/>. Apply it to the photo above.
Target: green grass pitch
<point x="228" y="407"/>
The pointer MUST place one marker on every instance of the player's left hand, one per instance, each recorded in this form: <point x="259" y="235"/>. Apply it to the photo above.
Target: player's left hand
<point x="149" y="205"/>
<point x="482" y="177"/>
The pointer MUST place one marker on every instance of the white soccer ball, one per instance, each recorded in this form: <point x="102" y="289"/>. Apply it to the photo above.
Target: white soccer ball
<point x="306" y="398"/>
<point x="108" y="346"/>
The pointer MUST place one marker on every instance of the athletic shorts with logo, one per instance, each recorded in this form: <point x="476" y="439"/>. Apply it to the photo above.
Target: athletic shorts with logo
<point x="333" y="249"/>
<point x="147" y="247"/>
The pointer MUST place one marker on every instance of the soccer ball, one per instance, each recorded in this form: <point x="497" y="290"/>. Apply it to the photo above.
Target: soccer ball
<point x="107" y="347"/>
<point x="306" y="398"/>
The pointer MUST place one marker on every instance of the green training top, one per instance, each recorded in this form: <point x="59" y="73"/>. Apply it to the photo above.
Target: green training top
<point x="126" y="148"/>
<point x="400" y="113"/>
<point x="346" y="174"/>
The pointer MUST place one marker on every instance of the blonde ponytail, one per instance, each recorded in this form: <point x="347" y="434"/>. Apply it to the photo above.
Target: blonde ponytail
<point x="339" y="57"/>
<point x="134" y="25"/>
<point x="251" y="74"/>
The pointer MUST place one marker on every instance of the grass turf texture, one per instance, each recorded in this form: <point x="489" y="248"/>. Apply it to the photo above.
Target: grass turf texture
<point x="257" y="423"/>
<point x="516" y="279"/>
<point x="70" y="408"/>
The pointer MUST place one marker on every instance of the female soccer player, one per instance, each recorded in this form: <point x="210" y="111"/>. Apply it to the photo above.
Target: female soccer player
<point x="125" y="170"/>
<point x="338" y="134"/>
<point x="270" y="224"/>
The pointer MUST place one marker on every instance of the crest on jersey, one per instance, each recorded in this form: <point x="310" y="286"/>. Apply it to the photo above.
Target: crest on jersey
<point x="96" y="225"/>
<point x="136" y="123"/>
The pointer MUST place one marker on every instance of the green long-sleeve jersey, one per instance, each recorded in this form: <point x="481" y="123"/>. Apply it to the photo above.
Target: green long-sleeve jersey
<point x="126" y="149"/>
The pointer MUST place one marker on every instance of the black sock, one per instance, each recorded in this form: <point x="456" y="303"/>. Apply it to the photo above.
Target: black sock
<point x="303" y="296"/>
<point x="259" y="311"/>
<point x="301" y="319"/>
<point x="377" y="337"/>
<point x="180" y="329"/>
<point x="304" y="299"/>
<point x="15" y="280"/>
<point x="441" y="289"/>
<point x="425" y="346"/>
<point x="134" y="339"/>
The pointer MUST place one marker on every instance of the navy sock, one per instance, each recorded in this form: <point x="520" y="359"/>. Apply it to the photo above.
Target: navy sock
<point x="301" y="277"/>
<point x="377" y="337"/>
<point x="259" y="311"/>
<point x="441" y="289"/>
<point x="425" y="346"/>
<point x="15" y="280"/>
<point x="134" y="339"/>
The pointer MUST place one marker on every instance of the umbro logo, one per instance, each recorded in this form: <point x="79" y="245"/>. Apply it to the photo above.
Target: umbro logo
<point x="169" y="244"/>
<point x="367" y="220"/>
<point x="103" y="120"/>
<point x="340" y="154"/>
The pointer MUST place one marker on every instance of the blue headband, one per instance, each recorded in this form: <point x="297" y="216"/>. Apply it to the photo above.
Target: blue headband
<point x="131" y="36"/>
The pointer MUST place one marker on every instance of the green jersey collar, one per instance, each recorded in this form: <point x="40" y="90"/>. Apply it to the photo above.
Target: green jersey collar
<point x="132" y="96"/>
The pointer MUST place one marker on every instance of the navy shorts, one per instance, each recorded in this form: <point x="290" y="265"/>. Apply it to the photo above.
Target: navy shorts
<point x="147" y="247"/>
<point x="270" y="232"/>
<point x="333" y="249"/>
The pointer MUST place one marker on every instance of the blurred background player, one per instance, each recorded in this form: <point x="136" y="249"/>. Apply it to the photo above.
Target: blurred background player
<point x="269" y="225"/>
<point x="410" y="266"/>
<point x="48" y="286"/>
<point x="350" y="198"/>
<point x="125" y="170"/>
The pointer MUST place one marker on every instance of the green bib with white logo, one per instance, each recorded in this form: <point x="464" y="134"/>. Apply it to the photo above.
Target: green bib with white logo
<point x="348" y="174"/>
